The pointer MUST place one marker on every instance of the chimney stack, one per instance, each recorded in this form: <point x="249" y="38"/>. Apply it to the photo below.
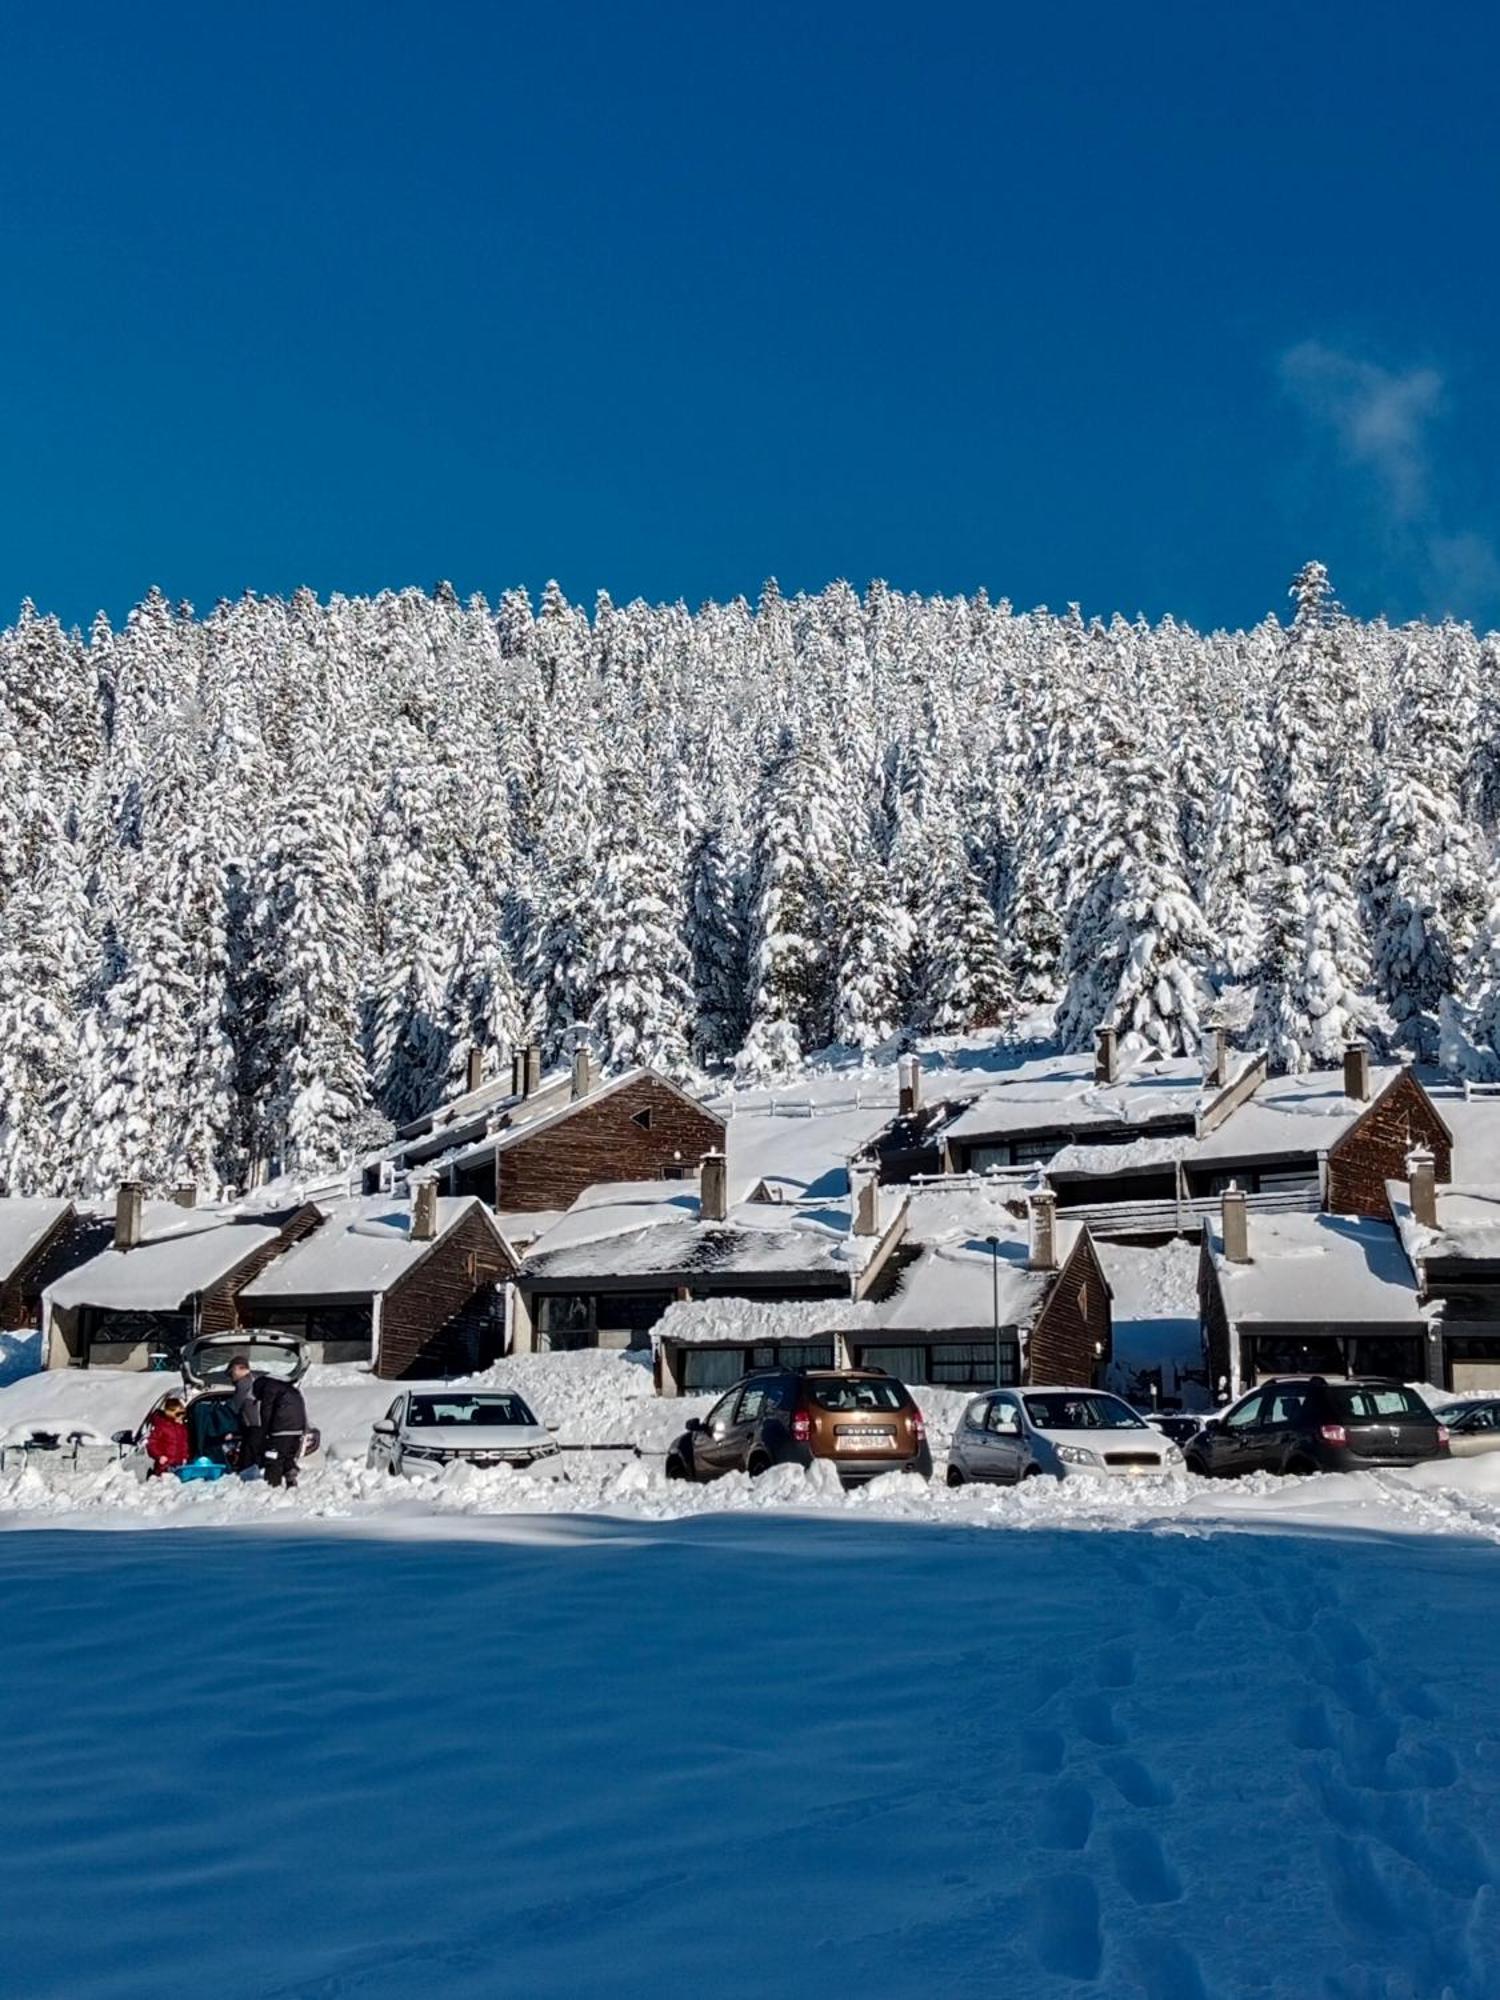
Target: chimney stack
<point x="909" y="1069"/>
<point x="1043" y="1254"/>
<point x="129" y="1203"/>
<point x="867" y="1205"/>
<point x="1357" y="1072"/>
<point x="424" y="1212"/>
<point x="518" y="1072"/>
<point x="713" y="1188"/>
<point x="531" y="1068"/>
<point x="1218" y="1076"/>
<point x="583" y="1072"/>
<point x="185" y="1194"/>
<point x="1420" y="1172"/>
<point x="475" y="1076"/>
<point x="1106" y="1056"/>
<point x="1235" y="1224"/>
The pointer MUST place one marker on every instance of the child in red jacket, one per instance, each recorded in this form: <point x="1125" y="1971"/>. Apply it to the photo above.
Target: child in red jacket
<point x="167" y="1437"/>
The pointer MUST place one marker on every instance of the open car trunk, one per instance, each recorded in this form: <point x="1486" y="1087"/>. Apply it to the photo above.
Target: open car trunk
<point x="205" y="1361"/>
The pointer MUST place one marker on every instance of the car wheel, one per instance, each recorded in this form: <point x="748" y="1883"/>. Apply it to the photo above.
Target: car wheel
<point x="1197" y="1467"/>
<point x="757" y="1463"/>
<point x="955" y="1475"/>
<point x="1300" y="1468"/>
<point x="676" y="1469"/>
<point x="1032" y="1472"/>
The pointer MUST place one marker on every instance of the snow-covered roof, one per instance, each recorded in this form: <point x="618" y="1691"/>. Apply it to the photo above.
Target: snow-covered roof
<point x="629" y="1229"/>
<point x="1291" y="1115"/>
<point x="1141" y="1155"/>
<point x="26" y="1221"/>
<point x="741" y="1322"/>
<point x="951" y="1283"/>
<point x="1317" y="1270"/>
<point x="1475" y="1125"/>
<point x="359" y="1251"/>
<point x="1468" y="1225"/>
<point x="182" y="1252"/>
<point x="1060" y="1093"/>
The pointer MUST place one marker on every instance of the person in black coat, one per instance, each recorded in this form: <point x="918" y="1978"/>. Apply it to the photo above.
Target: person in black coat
<point x="283" y="1423"/>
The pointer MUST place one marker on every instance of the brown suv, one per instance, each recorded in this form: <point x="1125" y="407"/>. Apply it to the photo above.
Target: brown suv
<point x="861" y="1419"/>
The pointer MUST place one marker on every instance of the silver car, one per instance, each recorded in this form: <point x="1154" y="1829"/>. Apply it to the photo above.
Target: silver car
<point x="1015" y="1434"/>
<point x="426" y="1430"/>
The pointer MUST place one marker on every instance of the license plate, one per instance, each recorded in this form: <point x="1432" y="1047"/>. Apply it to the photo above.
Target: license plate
<point x="852" y="1440"/>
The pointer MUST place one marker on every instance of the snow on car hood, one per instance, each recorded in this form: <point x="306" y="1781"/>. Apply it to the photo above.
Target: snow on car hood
<point x="474" y="1437"/>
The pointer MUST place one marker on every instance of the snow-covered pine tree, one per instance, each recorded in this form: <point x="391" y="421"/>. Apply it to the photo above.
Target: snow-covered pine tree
<point x="640" y="971"/>
<point x="873" y="939"/>
<point x="970" y="981"/>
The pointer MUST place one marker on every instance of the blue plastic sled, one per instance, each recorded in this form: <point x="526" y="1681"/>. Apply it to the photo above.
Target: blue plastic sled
<point x="200" y="1468"/>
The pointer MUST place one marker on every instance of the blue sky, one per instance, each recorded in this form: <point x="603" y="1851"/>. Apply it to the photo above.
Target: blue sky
<point x="1135" y="306"/>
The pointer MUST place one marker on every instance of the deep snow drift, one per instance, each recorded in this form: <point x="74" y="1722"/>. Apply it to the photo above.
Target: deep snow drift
<point x="750" y="1755"/>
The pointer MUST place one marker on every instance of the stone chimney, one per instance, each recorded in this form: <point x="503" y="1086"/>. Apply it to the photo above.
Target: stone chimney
<point x="518" y="1072"/>
<point x="185" y="1194"/>
<point x="1043" y="1252"/>
<point x="1106" y="1056"/>
<point x="424" y="1212"/>
<point x="531" y="1074"/>
<point x="129" y="1204"/>
<point x="1357" y="1072"/>
<point x="713" y="1188"/>
<point x="910" y="1072"/>
<point x="583" y="1072"/>
<point x="1235" y="1224"/>
<point x="1420" y="1169"/>
<point x="1218" y="1075"/>
<point x="866" y="1205"/>
<point x="475" y="1075"/>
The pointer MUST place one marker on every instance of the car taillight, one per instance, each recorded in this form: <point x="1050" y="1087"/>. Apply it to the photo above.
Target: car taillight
<point x="1334" y="1434"/>
<point x="802" y="1427"/>
<point x="918" y="1426"/>
<point x="1442" y="1434"/>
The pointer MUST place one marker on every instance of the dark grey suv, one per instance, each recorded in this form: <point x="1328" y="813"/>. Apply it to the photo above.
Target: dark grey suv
<point x="1308" y="1423"/>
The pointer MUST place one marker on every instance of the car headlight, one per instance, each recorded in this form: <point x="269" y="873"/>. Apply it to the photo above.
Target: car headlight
<point x="1075" y="1454"/>
<point x="1170" y="1454"/>
<point x="419" y="1451"/>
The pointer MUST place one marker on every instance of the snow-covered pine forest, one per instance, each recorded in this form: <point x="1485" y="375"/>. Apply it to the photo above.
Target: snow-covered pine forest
<point x="270" y="874"/>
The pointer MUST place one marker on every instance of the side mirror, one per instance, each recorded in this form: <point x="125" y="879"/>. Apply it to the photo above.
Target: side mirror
<point x="122" y="1437"/>
<point x="1208" y="1424"/>
<point x="693" y="1424"/>
<point x="385" y="1428"/>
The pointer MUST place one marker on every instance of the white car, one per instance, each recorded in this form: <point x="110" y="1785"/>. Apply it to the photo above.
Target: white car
<point x="1473" y="1425"/>
<point x="1014" y="1434"/>
<point x="426" y="1430"/>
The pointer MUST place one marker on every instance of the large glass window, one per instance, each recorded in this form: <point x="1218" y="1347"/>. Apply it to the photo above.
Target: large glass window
<point x="565" y="1320"/>
<point x="711" y="1367"/>
<point x="970" y="1364"/>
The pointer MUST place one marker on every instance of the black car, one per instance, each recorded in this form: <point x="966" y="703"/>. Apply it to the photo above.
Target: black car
<point x="1175" y="1424"/>
<point x="1307" y="1423"/>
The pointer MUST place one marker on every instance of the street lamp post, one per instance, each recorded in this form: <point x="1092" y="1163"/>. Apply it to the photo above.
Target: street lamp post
<point x="994" y="1243"/>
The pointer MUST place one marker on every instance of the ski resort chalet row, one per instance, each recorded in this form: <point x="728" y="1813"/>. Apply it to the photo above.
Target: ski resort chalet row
<point x="1347" y="1222"/>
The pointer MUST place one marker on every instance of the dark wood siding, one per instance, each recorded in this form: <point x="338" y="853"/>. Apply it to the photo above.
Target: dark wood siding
<point x="1373" y="1151"/>
<point x="601" y="1139"/>
<point x="428" y="1318"/>
<point x="218" y="1308"/>
<point x="21" y="1294"/>
<point x="1074" y="1318"/>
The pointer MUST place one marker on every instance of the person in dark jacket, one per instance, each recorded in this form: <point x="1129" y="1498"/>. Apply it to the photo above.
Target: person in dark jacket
<point x="247" y="1412"/>
<point x="283" y="1417"/>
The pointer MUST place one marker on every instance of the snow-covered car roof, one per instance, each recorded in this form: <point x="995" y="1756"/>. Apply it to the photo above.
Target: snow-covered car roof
<point x="1318" y="1270"/>
<point x="182" y="1253"/>
<point x="359" y="1251"/>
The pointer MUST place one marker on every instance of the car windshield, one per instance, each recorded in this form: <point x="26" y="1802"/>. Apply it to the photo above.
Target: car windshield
<point x="486" y="1411"/>
<point x="1364" y="1402"/>
<point x="864" y="1395"/>
<point x="1082" y="1413"/>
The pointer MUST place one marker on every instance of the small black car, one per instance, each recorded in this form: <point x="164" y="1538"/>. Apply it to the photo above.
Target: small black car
<point x="1307" y="1423"/>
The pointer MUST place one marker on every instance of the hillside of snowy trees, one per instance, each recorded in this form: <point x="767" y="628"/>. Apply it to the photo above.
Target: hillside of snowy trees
<point x="267" y="876"/>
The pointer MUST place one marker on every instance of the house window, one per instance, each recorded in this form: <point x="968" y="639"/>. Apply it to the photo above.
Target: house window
<point x="711" y="1367"/>
<point x="642" y="1118"/>
<point x="565" y="1320"/>
<point x="675" y="1171"/>
<point x="1028" y="1152"/>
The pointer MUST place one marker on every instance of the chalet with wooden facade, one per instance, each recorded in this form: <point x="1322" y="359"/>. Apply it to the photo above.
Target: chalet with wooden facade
<point x="1298" y="1294"/>
<point x="530" y="1147"/>
<point x="1451" y="1235"/>
<point x="40" y="1239"/>
<point x="975" y="1290"/>
<point x="416" y="1286"/>
<point x="606" y="1272"/>
<point x="172" y="1271"/>
<point x="1153" y="1136"/>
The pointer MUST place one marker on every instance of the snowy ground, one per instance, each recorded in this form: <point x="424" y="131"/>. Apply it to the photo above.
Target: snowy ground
<point x="589" y="1732"/>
